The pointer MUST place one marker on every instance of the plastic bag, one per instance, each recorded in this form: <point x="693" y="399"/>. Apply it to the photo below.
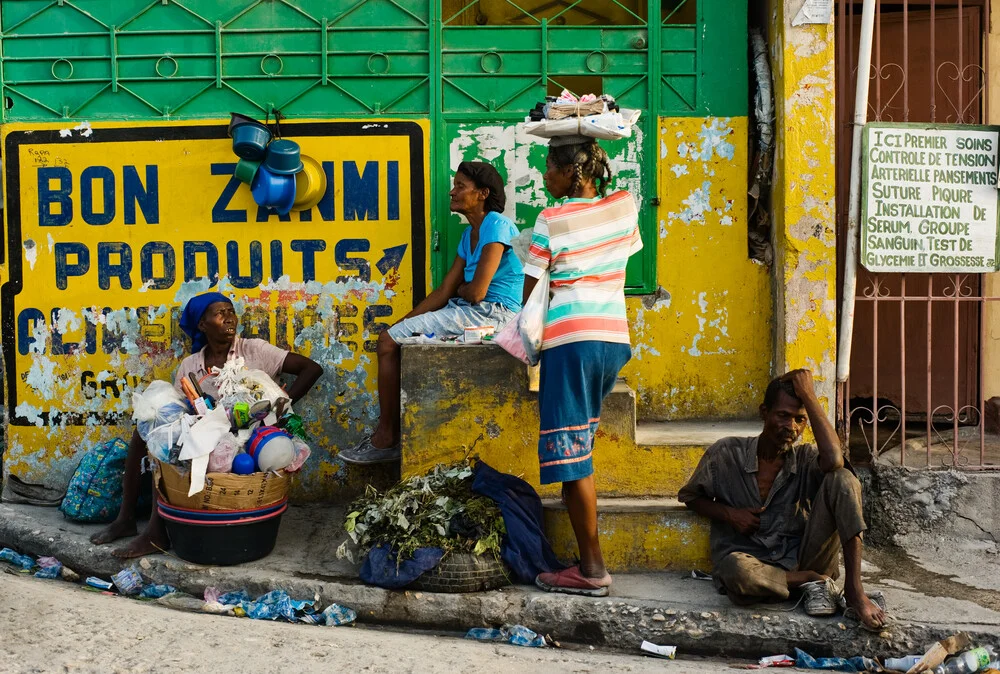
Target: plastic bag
<point x="302" y="453"/>
<point x="509" y="339"/>
<point x="165" y="415"/>
<point x="262" y="382"/>
<point x="221" y="458"/>
<point x="146" y="405"/>
<point x="162" y="441"/>
<point x="606" y="126"/>
<point x="531" y="321"/>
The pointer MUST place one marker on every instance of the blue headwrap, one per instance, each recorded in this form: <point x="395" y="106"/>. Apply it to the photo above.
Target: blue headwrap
<point x="193" y="312"/>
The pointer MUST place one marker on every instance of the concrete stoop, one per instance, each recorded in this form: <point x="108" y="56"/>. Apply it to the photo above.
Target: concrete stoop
<point x="479" y="402"/>
<point x="666" y="608"/>
<point x="637" y="535"/>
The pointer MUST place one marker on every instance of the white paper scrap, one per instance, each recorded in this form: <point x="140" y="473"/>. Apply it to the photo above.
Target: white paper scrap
<point x="814" y="11"/>
<point x="659" y="651"/>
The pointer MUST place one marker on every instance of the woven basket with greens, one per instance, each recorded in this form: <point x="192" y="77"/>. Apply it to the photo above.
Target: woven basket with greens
<point x="438" y="510"/>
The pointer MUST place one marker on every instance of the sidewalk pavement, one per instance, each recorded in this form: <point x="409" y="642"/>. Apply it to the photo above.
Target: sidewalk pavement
<point x="665" y="608"/>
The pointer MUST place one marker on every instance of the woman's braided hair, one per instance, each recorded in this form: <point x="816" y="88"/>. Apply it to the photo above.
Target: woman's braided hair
<point x="590" y="164"/>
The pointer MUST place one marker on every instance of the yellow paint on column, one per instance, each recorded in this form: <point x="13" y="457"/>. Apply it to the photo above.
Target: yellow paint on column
<point x="804" y="197"/>
<point x="702" y="346"/>
<point x="991" y="282"/>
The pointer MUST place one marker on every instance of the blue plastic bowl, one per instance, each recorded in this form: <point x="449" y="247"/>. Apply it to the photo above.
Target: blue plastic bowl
<point x="272" y="190"/>
<point x="218" y="515"/>
<point x="283" y="157"/>
<point x="250" y="140"/>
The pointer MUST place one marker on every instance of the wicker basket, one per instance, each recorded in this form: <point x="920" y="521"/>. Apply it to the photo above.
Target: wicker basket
<point x="463" y="572"/>
<point x="223" y="491"/>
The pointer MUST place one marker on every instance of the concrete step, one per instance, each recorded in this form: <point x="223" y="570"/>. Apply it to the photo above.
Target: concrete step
<point x="637" y="534"/>
<point x="669" y="451"/>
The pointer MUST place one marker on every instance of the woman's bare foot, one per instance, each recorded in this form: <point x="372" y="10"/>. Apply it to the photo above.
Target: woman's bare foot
<point x="142" y="545"/>
<point x="120" y="528"/>
<point x="867" y="612"/>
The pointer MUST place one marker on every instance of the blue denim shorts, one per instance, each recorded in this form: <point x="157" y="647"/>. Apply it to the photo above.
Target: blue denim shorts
<point x="452" y="319"/>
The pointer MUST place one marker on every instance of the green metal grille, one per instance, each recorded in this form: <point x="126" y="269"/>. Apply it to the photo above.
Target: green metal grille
<point x="464" y="64"/>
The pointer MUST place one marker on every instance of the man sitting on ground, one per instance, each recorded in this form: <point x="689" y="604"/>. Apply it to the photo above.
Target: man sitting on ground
<point x="780" y="512"/>
<point x="210" y="321"/>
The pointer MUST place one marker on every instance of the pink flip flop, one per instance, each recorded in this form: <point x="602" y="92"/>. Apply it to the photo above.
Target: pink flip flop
<point x="572" y="581"/>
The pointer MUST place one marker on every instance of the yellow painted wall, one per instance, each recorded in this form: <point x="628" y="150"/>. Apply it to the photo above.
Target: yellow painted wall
<point x="78" y="343"/>
<point x="991" y="282"/>
<point x="703" y="345"/>
<point x="802" y="58"/>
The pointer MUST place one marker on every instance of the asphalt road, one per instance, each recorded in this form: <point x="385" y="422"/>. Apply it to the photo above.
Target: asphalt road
<point x="55" y="626"/>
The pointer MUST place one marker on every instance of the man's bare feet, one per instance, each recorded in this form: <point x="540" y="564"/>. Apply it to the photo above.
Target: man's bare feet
<point x="144" y="544"/>
<point x="120" y="528"/>
<point x="866" y="611"/>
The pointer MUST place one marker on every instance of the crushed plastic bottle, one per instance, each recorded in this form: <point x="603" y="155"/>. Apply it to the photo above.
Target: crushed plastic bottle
<point x="901" y="664"/>
<point x="975" y="660"/>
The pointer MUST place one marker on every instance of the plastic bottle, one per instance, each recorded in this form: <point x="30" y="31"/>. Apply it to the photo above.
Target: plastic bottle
<point x="970" y="661"/>
<point x="902" y="664"/>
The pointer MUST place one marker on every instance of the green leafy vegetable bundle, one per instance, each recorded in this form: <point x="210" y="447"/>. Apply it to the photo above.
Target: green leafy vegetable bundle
<point x="438" y="509"/>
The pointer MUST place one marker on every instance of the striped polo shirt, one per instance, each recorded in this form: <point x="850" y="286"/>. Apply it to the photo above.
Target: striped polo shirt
<point x="585" y="245"/>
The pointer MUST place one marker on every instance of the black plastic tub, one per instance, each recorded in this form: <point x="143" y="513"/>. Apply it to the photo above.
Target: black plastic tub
<point x="223" y="542"/>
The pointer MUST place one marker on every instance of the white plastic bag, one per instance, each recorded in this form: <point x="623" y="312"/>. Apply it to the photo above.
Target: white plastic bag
<point x="531" y="321"/>
<point x="164" y="438"/>
<point x="302" y="453"/>
<point x="157" y="395"/>
<point x="509" y="339"/>
<point x="221" y="458"/>
<point x="607" y="126"/>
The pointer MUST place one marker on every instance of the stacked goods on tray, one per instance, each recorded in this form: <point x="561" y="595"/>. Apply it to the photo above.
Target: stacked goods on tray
<point x="221" y="464"/>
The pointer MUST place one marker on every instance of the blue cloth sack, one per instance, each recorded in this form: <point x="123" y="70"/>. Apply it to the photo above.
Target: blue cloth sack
<point x="525" y="549"/>
<point x="95" y="492"/>
<point x="379" y="567"/>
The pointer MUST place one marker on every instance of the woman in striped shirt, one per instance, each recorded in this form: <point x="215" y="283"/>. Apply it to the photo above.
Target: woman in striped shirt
<point x="584" y="243"/>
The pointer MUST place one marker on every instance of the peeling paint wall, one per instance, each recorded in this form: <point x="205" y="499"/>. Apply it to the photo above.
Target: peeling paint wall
<point x="92" y="297"/>
<point x="802" y="59"/>
<point x="702" y="341"/>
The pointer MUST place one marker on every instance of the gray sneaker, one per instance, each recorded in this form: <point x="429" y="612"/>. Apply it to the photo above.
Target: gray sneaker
<point x="366" y="453"/>
<point x="820" y="597"/>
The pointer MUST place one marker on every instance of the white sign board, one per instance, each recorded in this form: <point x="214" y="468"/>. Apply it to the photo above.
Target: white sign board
<point x="929" y="198"/>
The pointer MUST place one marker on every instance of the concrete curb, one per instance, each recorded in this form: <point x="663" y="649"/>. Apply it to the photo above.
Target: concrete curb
<point x="611" y="622"/>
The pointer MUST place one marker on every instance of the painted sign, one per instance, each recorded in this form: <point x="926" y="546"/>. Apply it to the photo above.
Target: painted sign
<point x="929" y="198"/>
<point x="111" y="229"/>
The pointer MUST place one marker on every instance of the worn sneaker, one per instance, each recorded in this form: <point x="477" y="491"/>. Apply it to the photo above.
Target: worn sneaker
<point x="820" y="597"/>
<point x="366" y="453"/>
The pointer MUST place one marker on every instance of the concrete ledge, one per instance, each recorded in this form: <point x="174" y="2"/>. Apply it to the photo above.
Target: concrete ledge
<point x="663" y="608"/>
<point x="637" y="535"/>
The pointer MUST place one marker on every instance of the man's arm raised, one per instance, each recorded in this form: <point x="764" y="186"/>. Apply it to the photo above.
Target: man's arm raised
<point x="831" y="456"/>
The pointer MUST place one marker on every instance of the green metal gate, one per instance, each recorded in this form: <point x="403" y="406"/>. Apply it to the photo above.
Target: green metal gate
<point x="465" y="64"/>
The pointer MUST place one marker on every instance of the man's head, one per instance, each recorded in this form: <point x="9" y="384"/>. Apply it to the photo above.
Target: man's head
<point x="783" y="414"/>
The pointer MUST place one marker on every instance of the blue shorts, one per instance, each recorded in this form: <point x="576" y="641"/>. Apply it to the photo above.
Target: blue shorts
<point x="452" y="319"/>
<point x="573" y="382"/>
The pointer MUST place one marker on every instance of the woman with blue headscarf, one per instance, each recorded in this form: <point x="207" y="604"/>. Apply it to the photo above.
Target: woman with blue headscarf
<point x="210" y="321"/>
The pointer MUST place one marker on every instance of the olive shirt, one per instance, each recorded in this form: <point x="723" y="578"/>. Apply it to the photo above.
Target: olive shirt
<point x="727" y="474"/>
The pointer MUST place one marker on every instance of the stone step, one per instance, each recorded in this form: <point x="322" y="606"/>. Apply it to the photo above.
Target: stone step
<point x="637" y="534"/>
<point x="668" y="452"/>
